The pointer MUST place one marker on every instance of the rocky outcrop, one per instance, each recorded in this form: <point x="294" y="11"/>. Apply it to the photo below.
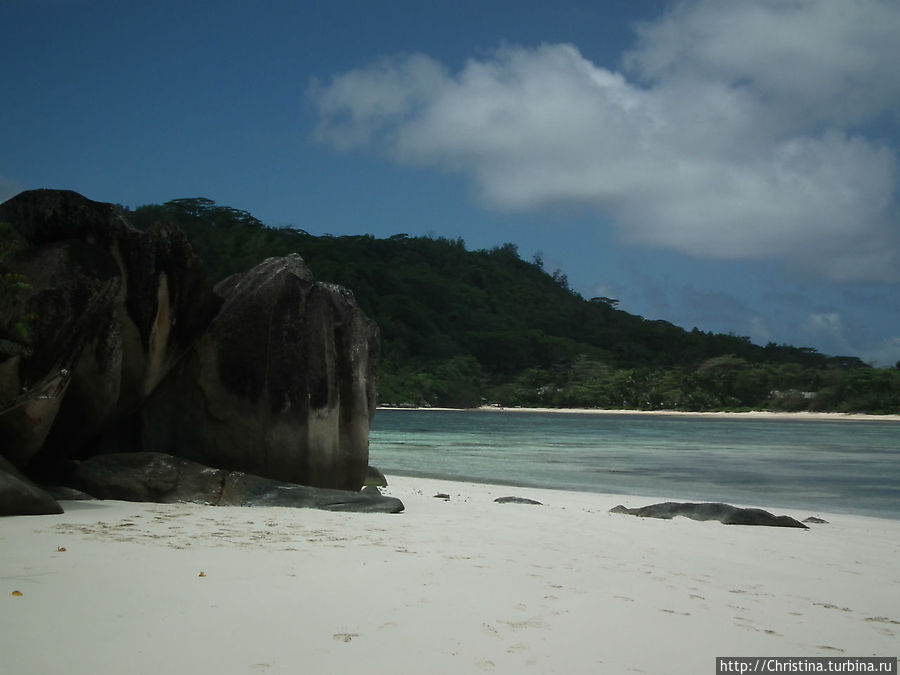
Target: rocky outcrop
<point x="130" y="348"/>
<point x="245" y="490"/>
<point x="20" y="497"/>
<point x="282" y="385"/>
<point x="725" y="513"/>
<point x="112" y="309"/>
<point x="146" y="477"/>
<point x="157" y="477"/>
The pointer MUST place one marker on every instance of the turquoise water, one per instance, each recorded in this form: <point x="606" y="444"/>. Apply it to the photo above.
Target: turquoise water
<point x="821" y="465"/>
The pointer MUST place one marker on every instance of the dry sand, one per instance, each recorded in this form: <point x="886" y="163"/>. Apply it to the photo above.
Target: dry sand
<point x="458" y="586"/>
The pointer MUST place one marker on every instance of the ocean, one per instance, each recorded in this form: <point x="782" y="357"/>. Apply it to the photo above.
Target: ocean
<point x="842" y="466"/>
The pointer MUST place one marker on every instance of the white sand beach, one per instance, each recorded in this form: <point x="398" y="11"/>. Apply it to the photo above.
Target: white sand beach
<point x="450" y="586"/>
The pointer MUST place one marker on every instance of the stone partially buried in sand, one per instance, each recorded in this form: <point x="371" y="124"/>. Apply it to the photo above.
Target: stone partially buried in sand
<point x="517" y="500"/>
<point x="724" y="513"/>
<point x="815" y="520"/>
<point x="158" y="477"/>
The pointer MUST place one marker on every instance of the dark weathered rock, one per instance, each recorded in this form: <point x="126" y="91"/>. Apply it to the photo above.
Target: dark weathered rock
<point x="63" y="493"/>
<point x="442" y="495"/>
<point x="517" y="500"/>
<point x="20" y="497"/>
<point x="158" y="477"/>
<point x="148" y="477"/>
<point x="129" y="351"/>
<point x="245" y="490"/>
<point x="815" y="520"/>
<point x="72" y="299"/>
<point x="282" y="385"/>
<point x="725" y="513"/>
<point x="374" y="477"/>
<point x="113" y="309"/>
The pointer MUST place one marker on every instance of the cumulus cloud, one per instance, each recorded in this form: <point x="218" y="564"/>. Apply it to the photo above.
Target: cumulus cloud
<point x="734" y="130"/>
<point x="828" y="60"/>
<point x="362" y="103"/>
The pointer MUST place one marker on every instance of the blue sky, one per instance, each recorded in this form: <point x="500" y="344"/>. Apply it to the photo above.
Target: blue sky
<point x="729" y="166"/>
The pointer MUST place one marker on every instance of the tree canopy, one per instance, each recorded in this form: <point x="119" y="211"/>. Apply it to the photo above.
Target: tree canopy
<point x="460" y="328"/>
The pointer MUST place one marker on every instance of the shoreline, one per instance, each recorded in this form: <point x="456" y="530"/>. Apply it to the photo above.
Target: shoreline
<point x="462" y="584"/>
<point x="753" y="414"/>
<point x="771" y="505"/>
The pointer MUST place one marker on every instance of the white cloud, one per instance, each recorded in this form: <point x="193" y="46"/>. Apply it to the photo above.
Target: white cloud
<point x="361" y="103"/>
<point x="827" y="59"/>
<point x="739" y="139"/>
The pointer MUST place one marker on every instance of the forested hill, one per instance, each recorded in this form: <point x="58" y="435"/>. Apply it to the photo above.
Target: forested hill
<point x="460" y="328"/>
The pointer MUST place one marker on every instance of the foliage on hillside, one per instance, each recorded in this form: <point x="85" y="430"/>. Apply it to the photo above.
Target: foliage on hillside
<point x="10" y="282"/>
<point x="460" y="328"/>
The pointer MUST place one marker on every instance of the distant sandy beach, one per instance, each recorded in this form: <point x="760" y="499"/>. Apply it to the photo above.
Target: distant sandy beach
<point x="458" y="585"/>
<point x="753" y="414"/>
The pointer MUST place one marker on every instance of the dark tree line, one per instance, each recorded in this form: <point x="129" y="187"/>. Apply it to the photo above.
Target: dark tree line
<point x="461" y="327"/>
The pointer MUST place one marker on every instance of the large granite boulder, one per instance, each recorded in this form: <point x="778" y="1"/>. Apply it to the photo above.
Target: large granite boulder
<point x="158" y="477"/>
<point x="129" y="348"/>
<point x="724" y="513"/>
<point x="282" y="385"/>
<point x="111" y="310"/>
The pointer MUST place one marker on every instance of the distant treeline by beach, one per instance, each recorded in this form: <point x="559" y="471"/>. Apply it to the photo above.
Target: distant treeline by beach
<point x="461" y="328"/>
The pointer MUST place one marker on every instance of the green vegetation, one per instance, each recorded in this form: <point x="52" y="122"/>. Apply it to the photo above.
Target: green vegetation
<point x="460" y="328"/>
<point x="10" y="242"/>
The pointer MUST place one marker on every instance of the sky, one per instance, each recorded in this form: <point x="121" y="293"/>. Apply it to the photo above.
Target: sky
<point x="730" y="166"/>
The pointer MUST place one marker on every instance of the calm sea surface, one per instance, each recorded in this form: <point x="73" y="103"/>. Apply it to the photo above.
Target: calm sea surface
<point x="834" y="465"/>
